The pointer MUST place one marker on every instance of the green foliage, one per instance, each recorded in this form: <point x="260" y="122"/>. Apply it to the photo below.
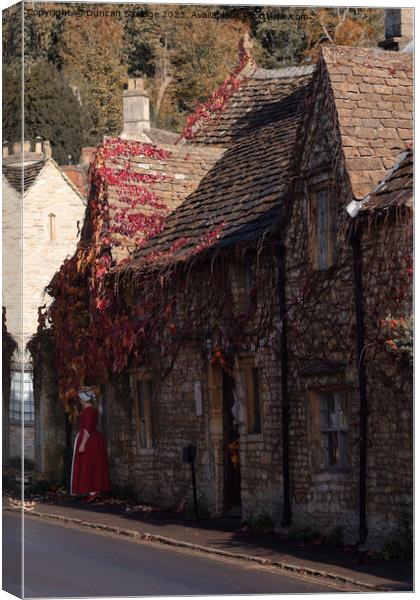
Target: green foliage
<point x="183" y="58"/>
<point x="39" y="487"/>
<point x="400" y="544"/>
<point x="203" y="506"/>
<point x="335" y="537"/>
<point x="401" y="341"/>
<point x="261" y="523"/>
<point x="303" y="534"/>
<point x="93" y="58"/>
<point x="51" y="109"/>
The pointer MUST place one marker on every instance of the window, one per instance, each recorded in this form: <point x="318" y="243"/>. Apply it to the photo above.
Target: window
<point x="251" y="380"/>
<point x="51" y="227"/>
<point x="334" y="430"/>
<point x="322" y="217"/>
<point x="144" y="391"/>
<point x="21" y="393"/>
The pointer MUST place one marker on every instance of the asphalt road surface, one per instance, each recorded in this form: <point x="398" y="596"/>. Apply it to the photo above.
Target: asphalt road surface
<point x="62" y="561"/>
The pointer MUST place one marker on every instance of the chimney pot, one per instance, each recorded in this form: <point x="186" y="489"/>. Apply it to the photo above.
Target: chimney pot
<point x="17" y="148"/>
<point x="399" y="28"/>
<point x="38" y="144"/>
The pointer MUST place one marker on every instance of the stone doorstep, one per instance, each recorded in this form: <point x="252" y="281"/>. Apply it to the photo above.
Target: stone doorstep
<point x="298" y="569"/>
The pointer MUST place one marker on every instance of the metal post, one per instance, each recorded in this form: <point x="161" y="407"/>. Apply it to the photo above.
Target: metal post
<point x="194" y="486"/>
<point x="360" y="343"/>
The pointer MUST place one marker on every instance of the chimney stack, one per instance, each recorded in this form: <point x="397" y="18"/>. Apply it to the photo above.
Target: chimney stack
<point x="135" y="110"/>
<point x="399" y="29"/>
<point x="27" y="151"/>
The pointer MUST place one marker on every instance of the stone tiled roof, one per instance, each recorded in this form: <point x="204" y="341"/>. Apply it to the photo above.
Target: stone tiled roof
<point x="373" y="93"/>
<point x="77" y="175"/>
<point x="395" y="190"/>
<point x="257" y="102"/>
<point x="242" y="194"/>
<point x="13" y="174"/>
<point x="182" y="169"/>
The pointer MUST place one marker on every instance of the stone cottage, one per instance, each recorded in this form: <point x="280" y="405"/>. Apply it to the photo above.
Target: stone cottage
<point x="261" y="327"/>
<point x="134" y="183"/>
<point x="41" y="212"/>
<point x="277" y="379"/>
<point x="349" y="277"/>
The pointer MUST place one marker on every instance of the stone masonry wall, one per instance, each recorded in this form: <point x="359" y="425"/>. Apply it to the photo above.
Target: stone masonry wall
<point x="158" y="474"/>
<point x="37" y="260"/>
<point x="323" y="358"/>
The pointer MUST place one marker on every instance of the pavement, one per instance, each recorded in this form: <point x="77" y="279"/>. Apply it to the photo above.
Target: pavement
<point x="226" y="537"/>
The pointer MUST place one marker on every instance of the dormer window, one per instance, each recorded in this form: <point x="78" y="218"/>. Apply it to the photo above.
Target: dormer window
<point x="322" y="226"/>
<point x="51" y="227"/>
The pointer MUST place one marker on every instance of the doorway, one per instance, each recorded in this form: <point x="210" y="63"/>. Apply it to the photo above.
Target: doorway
<point x="231" y="464"/>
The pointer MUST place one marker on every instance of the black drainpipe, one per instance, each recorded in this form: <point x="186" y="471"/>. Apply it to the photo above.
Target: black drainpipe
<point x="360" y="355"/>
<point x="281" y="258"/>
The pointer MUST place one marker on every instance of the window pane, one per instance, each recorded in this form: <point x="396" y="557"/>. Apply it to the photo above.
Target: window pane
<point x="341" y="410"/>
<point x="22" y="396"/>
<point x="328" y="416"/>
<point x="332" y="448"/>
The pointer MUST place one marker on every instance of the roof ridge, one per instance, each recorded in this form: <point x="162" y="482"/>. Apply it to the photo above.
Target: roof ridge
<point x="21" y="167"/>
<point x="293" y="71"/>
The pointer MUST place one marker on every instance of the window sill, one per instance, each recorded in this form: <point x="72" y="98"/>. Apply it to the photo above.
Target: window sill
<point x="18" y="423"/>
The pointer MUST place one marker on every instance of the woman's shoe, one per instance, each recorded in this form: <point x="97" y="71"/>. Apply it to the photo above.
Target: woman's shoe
<point x="91" y="497"/>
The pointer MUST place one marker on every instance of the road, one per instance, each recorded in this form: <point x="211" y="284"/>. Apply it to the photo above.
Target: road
<point x="64" y="561"/>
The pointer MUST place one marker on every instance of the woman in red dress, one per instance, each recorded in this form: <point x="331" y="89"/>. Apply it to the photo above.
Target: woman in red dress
<point x="89" y="472"/>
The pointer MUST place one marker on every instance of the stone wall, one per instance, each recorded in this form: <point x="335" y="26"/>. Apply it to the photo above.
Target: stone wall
<point x="16" y="444"/>
<point x="323" y="356"/>
<point x="183" y="415"/>
<point x="37" y="259"/>
<point x="50" y="417"/>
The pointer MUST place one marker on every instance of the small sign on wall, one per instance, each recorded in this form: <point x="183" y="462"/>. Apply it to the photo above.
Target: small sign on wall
<point x="198" y="397"/>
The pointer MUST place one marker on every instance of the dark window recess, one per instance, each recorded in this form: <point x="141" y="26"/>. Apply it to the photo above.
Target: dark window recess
<point x="322" y="226"/>
<point x="144" y="403"/>
<point x="334" y="430"/>
<point x="253" y="397"/>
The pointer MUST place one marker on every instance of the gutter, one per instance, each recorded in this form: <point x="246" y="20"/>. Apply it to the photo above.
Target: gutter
<point x="281" y="258"/>
<point x="355" y="241"/>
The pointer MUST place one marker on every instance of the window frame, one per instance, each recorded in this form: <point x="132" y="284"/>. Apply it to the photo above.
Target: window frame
<point x="322" y="250"/>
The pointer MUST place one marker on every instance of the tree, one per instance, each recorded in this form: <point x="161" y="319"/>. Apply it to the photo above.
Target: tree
<point x="94" y="62"/>
<point x="50" y="108"/>
<point x="183" y="56"/>
<point x="359" y="27"/>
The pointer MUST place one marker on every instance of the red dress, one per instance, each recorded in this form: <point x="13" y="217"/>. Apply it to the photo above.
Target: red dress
<point x="89" y="472"/>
